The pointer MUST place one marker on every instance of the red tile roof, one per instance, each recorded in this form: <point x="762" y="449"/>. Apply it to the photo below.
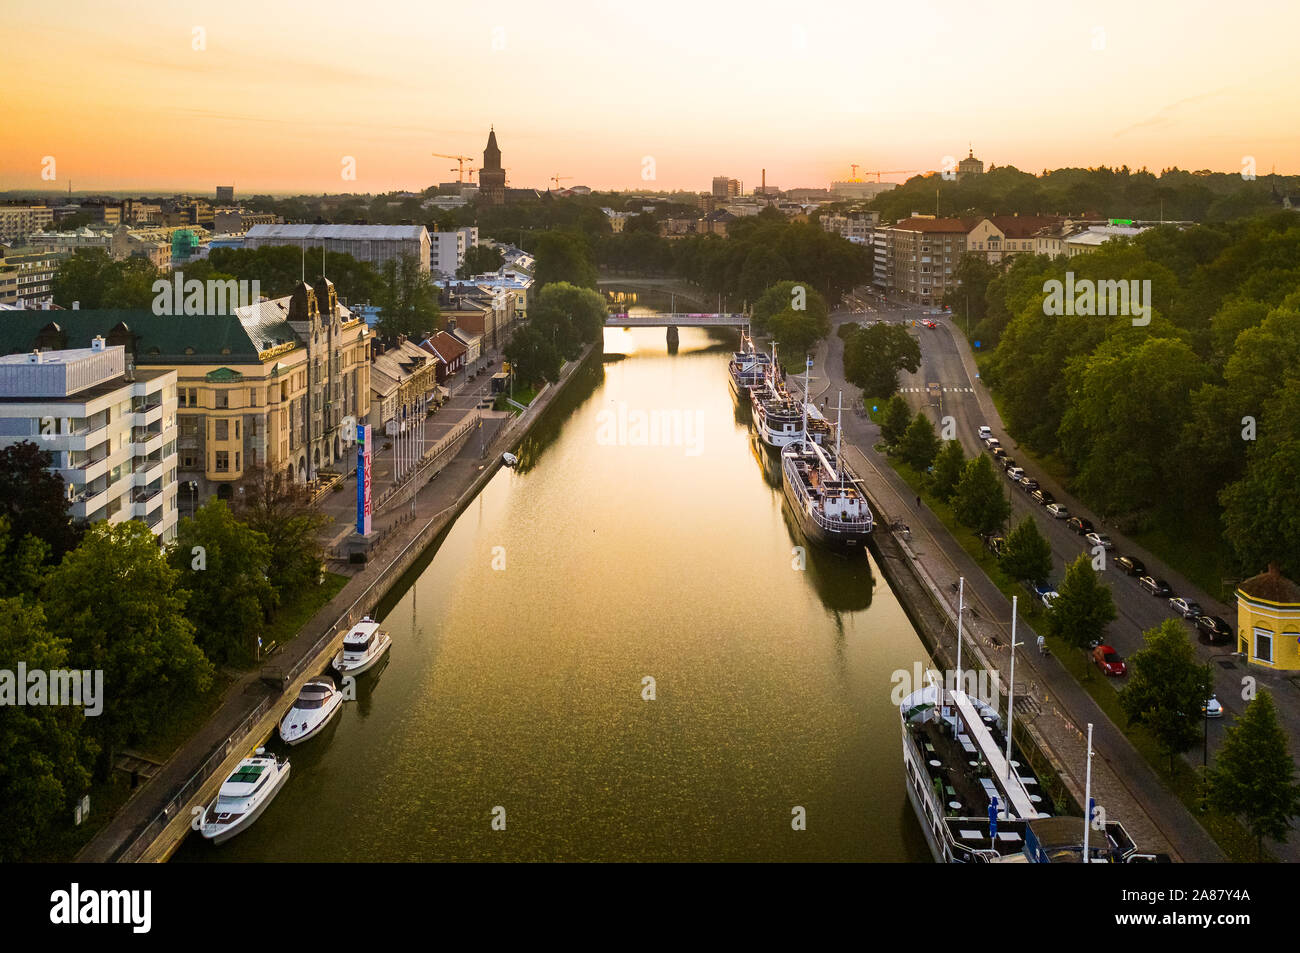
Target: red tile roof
<point x="936" y="225"/>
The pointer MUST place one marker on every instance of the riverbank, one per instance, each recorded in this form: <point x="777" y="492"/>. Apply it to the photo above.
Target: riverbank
<point x="154" y="822"/>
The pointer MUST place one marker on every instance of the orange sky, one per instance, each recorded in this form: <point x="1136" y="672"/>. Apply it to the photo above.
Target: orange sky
<point x="274" y="96"/>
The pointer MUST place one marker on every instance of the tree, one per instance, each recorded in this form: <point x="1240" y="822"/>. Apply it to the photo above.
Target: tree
<point x="533" y="358"/>
<point x="571" y="316"/>
<point x="1253" y="775"/>
<point x="895" y="420"/>
<point x="1167" y="687"/>
<point x="1083" y="606"/>
<point x="408" y="300"/>
<point x="281" y="511"/>
<point x="874" y="355"/>
<point x="34" y="499"/>
<point x="563" y="256"/>
<point x="481" y="260"/>
<point x="92" y="279"/>
<point x="1027" y="555"/>
<point x="23" y="562"/>
<point x="119" y="607"/>
<point x="978" y="502"/>
<point x="225" y="566"/>
<point x="948" y="467"/>
<point x="46" y="760"/>
<point x="794" y="314"/>
<point x="920" y="444"/>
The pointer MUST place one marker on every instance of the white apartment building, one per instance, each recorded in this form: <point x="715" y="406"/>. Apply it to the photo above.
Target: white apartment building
<point x="112" y="430"/>
<point x="447" y="250"/>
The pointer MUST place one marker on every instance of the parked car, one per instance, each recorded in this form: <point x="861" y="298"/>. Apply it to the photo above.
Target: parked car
<point x="1028" y="484"/>
<point x="1185" y="607"/>
<point x="931" y="324"/>
<point x="985" y="434"/>
<point x="1157" y="587"/>
<point x="1043" y="497"/>
<point x="1079" y="524"/>
<point x="1212" y="708"/>
<point x="1015" y="473"/>
<point x="1007" y="462"/>
<point x="1108" y="660"/>
<point x="999" y="454"/>
<point x="1130" y="565"/>
<point x="993" y="444"/>
<point x="1057" y="511"/>
<point x="1099" y="539"/>
<point x="1214" y="627"/>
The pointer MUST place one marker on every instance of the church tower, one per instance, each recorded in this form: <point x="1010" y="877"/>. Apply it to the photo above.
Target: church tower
<point x="491" y="177"/>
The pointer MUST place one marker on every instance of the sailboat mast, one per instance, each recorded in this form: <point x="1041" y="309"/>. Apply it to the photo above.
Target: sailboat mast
<point x="1011" y="689"/>
<point x="839" y="426"/>
<point x="807" y="366"/>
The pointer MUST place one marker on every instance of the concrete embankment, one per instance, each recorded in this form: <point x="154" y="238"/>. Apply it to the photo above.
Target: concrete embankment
<point x="154" y="823"/>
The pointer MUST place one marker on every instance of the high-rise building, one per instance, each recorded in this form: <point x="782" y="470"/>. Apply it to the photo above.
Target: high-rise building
<point x="225" y="194"/>
<point x="491" y="177"/>
<point x="921" y="255"/>
<point x="447" y="250"/>
<point x="725" y="188"/>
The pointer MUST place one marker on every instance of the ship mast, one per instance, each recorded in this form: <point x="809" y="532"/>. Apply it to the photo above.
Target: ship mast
<point x="807" y="366"/>
<point x="839" y="426"/>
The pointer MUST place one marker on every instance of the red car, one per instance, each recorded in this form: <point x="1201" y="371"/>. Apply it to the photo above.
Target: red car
<point x="1108" y="660"/>
<point x="931" y="324"/>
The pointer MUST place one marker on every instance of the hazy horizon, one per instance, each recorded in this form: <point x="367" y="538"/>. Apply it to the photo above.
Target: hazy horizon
<point x="276" y="99"/>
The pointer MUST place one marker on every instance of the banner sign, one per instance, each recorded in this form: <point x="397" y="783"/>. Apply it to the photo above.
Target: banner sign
<point x="364" y="439"/>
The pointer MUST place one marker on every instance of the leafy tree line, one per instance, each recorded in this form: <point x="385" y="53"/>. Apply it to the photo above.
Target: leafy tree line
<point x="1173" y="195"/>
<point x="1196" y="415"/>
<point x="562" y="320"/>
<point x="155" y="620"/>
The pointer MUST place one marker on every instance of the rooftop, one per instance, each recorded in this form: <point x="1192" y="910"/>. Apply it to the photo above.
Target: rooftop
<point x="349" y="232"/>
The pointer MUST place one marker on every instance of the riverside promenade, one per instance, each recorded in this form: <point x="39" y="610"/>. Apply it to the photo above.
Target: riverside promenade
<point x="159" y="815"/>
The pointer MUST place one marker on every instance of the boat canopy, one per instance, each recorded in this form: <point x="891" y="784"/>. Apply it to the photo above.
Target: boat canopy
<point x="997" y="762"/>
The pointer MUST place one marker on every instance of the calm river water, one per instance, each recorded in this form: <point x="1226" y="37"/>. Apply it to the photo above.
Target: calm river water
<point x="643" y="535"/>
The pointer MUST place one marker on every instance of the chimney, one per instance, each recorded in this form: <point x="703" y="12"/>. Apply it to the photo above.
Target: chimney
<point x="97" y="343"/>
<point x="35" y="358"/>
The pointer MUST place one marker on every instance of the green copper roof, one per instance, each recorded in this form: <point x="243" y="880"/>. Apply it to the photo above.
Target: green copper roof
<point x="159" y="339"/>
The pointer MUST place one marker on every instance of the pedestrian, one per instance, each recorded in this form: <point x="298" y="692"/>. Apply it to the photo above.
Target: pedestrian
<point x="918" y="502"/>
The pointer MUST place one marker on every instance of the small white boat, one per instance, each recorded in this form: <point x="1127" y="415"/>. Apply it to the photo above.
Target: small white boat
<point x="364" y="646"/>
<point x="244" y="796"/>
<point x="509" y="459"/>
<point x="318" y="702"/>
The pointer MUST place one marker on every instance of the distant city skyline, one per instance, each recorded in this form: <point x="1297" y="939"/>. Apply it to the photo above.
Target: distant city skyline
<point x="281" y="98"/>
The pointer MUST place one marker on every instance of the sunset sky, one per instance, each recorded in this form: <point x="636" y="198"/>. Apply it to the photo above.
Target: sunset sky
<point x="280" y="92"/>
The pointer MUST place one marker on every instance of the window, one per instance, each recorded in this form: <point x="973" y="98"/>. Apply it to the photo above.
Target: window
<point x="1263" y="645"/>
<point x="189" y="461"/>
<point x="252" y="397"/>
<point x="236" y="429"/>
<point x="223" y="461"/>
<point x="221" y="429"/>
<point x="222" y="399"/>
<point x="236" y="459"/>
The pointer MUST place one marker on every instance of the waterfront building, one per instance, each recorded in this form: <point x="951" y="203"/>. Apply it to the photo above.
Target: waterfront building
<point x="1268" y="620"/>
<point x="266" y="388"/>
<point x="111" y="428"/>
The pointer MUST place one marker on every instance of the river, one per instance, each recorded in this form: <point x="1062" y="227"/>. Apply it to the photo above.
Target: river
<point x="643" y="535"/>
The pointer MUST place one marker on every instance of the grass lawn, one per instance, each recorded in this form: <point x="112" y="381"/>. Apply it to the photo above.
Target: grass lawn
<point x="522" y="395"/>
<point x="1184" y="782"/>
<point x="292" y="617"/>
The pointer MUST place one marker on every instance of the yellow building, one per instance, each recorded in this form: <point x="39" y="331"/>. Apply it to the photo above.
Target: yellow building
<point x="1268" y="620"/>
<point x="277" y="386"/>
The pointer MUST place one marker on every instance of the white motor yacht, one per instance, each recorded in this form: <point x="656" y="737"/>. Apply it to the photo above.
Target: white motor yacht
<point x="244" y="796"/>
<point x="318" y="702"/>
<point x="362" y="648"/>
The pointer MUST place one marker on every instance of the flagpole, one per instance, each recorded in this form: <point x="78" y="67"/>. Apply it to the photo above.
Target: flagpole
<point x="1011" y="691"/>
<point x="1087" y="798"/>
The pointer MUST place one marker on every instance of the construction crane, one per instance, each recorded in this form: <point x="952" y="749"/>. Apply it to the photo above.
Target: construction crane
<point x="471" y="170"/>
<point x="558" y="178"/>
<point x="460" y="161"/>
<point x="879" y="172"/>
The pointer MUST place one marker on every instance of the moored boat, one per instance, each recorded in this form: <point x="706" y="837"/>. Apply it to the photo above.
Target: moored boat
<point x="362" y="648"/>
<point x="318" y="702"/>
<point x="244" y="796"/>
<point x="828" y="499"/>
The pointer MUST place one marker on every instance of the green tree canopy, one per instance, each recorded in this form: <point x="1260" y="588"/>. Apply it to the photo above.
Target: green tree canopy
<point x="481" y="260"/>
<point x="33" y="498"/>
<point x="1167" y="687"/>
<point x="920" y="444"/>
<point x="949" y="465"/>
<point x="895" y="420"/>
<point x="225" y="566"/>
<point x="1083" y="607"/>
<point x="118" y="606"/>
<point x="1253" y="775"/>
<point x="408" y="300"/>
<point x="281" y="512"/>
<point x="874" y="355"/>
<point x="794" y="314"/>
<point x="1027" y="555"/>
<point x="978" y="502"/>
<point x="563" y="256"/>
